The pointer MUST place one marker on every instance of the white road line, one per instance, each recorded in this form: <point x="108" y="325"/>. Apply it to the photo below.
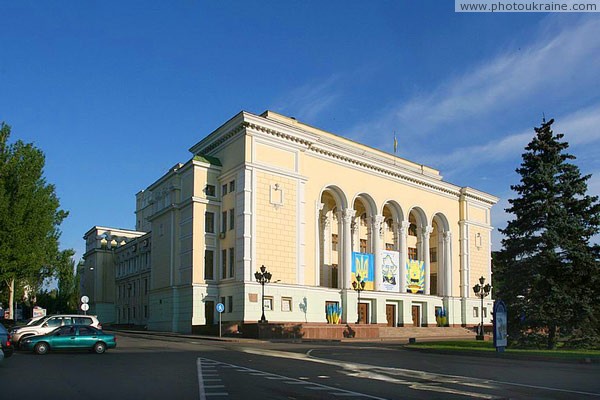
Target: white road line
<point x="435" y="377"/>
<point x="293" y="381"/>
<point x="200" y="379"/>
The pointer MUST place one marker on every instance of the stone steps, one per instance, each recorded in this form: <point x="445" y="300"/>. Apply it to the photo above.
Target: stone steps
<point x="428" y="332"/>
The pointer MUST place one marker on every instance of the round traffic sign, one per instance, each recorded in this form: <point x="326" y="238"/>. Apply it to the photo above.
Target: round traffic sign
<point x="85" y="306"/>
<point x="220" y="307"/>
<point x="85" y="299"/>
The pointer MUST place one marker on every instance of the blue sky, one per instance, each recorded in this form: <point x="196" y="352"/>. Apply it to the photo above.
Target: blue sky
<point x="115" y="93"/>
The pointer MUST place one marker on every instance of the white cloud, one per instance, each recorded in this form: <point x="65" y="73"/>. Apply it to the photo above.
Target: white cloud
<point x="580" y="129"/>
<point x="310" y="100"/>
<point x="559" y="62"/>
<point x="594" y="184"/>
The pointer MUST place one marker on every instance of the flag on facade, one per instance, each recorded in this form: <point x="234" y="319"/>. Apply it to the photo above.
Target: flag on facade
<point x="395" y="143"/>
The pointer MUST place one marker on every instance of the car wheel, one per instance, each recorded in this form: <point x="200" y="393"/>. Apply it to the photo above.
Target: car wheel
<point x="99" y="348"/>
<point x="41" y="348"/>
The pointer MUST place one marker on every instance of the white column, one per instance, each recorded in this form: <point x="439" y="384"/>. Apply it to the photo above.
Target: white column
<point x="425" y="249"/>
<point x="320" y="235"/>
<point x="347" y="216"/>
<point x="376" y="232"/>
<point x="464" y="260"/>
<point x="403" y="254"/>
<point x="447" y="260"/>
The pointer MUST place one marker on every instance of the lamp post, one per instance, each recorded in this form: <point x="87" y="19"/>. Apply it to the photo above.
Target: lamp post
<point x="359" y="286"/>
<point x="481" y="291"/>
<point x="263" y="277"/>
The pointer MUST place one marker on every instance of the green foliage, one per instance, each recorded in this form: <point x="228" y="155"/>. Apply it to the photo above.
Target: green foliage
<point x="547" y="272"/>
<point x="29" y="215"/>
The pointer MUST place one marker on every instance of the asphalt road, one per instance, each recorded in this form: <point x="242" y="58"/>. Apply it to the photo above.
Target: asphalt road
<point x="152" y="367"/>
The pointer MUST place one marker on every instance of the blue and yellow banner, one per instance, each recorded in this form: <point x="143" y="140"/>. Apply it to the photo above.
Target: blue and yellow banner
<point x="415" y="276"/>
<point x="363" y="264"/>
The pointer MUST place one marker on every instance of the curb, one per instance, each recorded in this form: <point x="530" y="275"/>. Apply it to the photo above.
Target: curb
<point x="510" y="356"/>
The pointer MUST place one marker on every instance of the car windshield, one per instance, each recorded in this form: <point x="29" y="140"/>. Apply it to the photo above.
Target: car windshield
<point x="38" y="322"/>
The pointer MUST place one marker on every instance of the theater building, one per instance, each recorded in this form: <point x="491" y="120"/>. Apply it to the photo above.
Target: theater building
<point x="322" y="213"/>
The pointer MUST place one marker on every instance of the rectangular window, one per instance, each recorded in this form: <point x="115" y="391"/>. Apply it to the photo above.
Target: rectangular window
<point x="224" y="190"/>
<point x="210" y="190"/>
<point x="363" y="245"/>
<point x="231" y="219"/>
<point x="334" y="275"/>
<point x="268" y="304"/>
<point x="334" y="242"/>
<point x="209" y="264"/>
<point x="475" y="312"/>
<point x="224" y="221"/>
<point x="209" y="222"/>
<point x="146" y="286"/>
<point x="231" y="186"/>
<point x="231" y="263"/>
<point x="223" y="264"/>
<point x="286" y="304"/>
<point x="412" y="253"/>
<point x="229" y="303"/>
<point x="433" y="254"/>
<point x="223" y="301"/>
<point x="484" y="313"/>
<point x="145" y="311"/>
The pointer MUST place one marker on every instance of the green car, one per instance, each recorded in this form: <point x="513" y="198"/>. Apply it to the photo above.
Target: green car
<point x="71" y="337"/>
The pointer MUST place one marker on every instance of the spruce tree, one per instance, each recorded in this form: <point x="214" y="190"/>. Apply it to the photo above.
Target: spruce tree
<point x="548" y="270"/>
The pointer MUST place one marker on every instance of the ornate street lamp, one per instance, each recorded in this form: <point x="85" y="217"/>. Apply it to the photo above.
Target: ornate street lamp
<point x="359" y="286"/>
<point x="263" y="277"/>
<point x="481" y="291"/>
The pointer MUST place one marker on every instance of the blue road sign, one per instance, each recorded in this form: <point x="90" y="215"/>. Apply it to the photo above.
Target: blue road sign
<point x="220" y="307"/>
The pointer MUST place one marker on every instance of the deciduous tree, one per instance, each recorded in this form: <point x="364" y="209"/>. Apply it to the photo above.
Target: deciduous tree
<point x="30" y="215"/>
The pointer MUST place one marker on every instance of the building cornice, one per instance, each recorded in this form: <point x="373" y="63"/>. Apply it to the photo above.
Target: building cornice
<point x="329" y="146"/>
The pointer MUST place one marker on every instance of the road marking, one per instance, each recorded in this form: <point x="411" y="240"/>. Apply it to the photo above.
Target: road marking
<point x="292" y="381"/>
<point x="211" y="365"/>
<point x="200" y="379"/>
<point x="365" y="370"/>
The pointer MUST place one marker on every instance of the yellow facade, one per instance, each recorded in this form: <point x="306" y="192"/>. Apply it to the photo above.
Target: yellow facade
<point x="300" y="201"/>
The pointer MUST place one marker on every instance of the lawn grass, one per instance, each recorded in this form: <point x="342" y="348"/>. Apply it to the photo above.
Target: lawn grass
<point x="488" y="346"/>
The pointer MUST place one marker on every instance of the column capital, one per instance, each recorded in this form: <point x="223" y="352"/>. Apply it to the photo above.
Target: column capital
<point x="427" y="230"/>
<point x="348" y="214"/>
<point x="447" y="236"/>
<point x="404" y="225"/>
<point x="324" y="220"/>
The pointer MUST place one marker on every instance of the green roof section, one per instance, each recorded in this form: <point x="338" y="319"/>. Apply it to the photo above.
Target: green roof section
<point x="208" y="159"/>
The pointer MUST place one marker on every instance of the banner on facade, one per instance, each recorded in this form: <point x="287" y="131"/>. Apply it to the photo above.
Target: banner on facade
<point x="415" y="276"/>
<point x="390" y="271"/>
<point x="363" y="264"/>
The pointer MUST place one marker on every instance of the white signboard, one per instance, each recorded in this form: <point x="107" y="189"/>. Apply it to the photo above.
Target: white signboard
<point x="390" y="271"/>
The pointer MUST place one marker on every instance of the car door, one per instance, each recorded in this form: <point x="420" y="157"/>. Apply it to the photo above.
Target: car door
<point x="63" y="338"/>
<point x="86" y="337"/>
